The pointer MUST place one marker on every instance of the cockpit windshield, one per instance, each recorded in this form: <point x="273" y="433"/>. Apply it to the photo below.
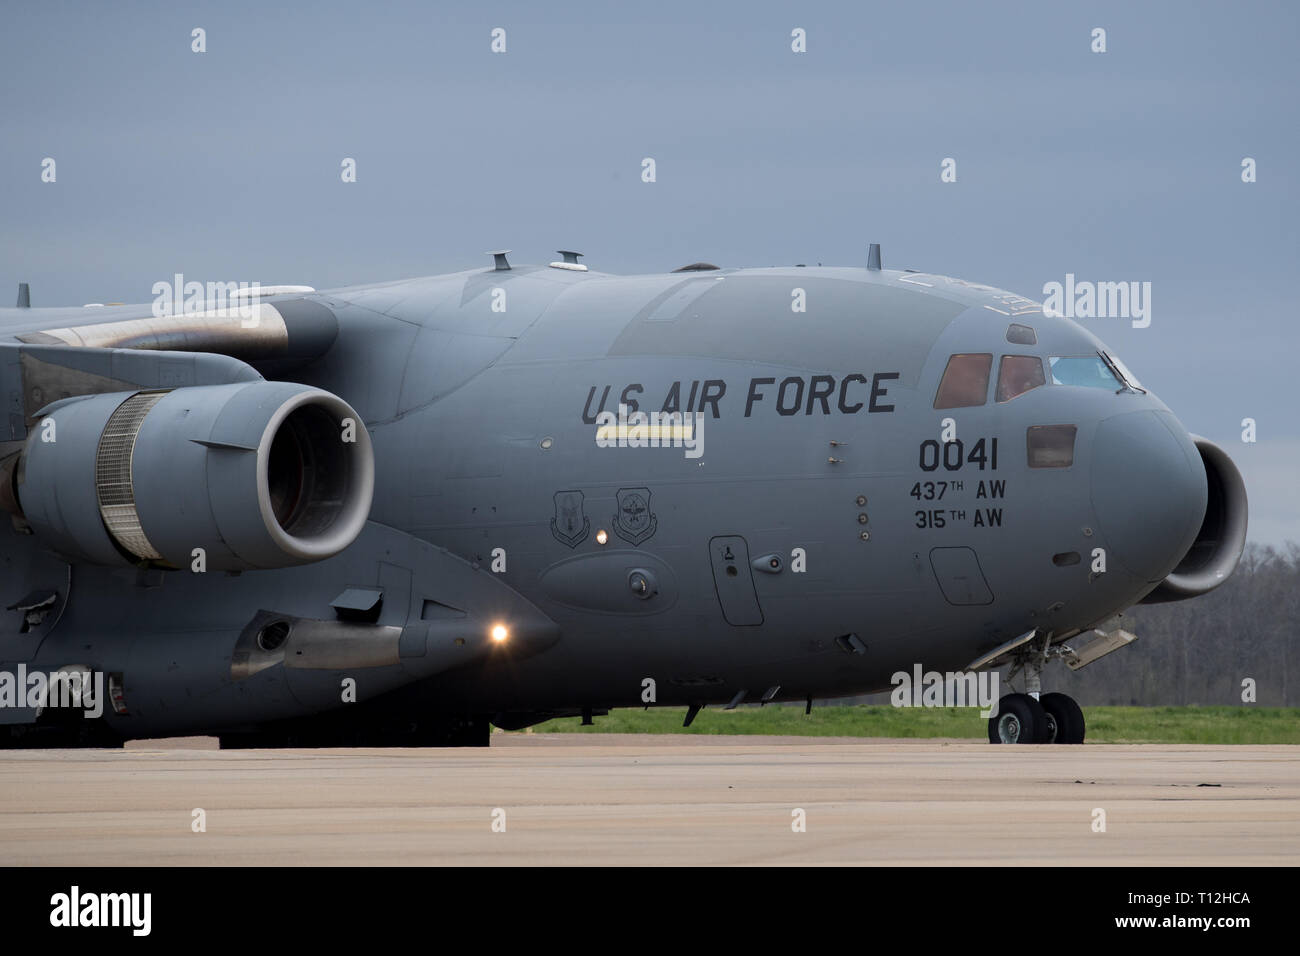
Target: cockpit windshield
<point x="1087" y="370"/>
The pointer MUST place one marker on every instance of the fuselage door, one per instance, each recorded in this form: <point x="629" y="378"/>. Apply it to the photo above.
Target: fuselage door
<point x="734" y="581"/>
<point x="959" y="575"/>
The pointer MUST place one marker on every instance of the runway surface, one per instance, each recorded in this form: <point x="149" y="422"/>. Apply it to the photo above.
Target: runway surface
<point x="602" y="799"/>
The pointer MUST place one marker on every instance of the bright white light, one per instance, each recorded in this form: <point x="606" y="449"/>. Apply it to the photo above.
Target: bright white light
<point x="499" y="633"/>
<point x="601" y="536"/>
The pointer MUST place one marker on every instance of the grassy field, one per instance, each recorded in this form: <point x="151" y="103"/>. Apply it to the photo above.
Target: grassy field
<point x="1163" y="725"/>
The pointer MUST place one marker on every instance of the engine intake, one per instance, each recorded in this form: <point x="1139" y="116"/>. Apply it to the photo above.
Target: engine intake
<point x="257" y="474"/>
<point x="1214" y="554"/>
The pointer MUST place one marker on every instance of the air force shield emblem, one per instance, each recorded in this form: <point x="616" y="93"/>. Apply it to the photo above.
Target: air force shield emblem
<point x="634" y="521"/>
<point x="570" y="526"/>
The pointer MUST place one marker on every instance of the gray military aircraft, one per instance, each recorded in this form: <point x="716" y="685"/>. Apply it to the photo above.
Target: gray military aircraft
<point x="401" y="513"/>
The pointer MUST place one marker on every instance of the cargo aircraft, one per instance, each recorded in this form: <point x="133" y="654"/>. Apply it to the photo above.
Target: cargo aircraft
<point x="399" y="514"/>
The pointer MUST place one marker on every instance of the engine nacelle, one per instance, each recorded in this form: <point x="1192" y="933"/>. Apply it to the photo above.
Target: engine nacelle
<point x="1214" y="554"/>
<point x="257" y="474"/>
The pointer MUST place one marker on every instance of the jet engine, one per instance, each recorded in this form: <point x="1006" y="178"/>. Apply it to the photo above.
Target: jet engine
<point x="221" y="477"/>
<point x="1218" y="545"/>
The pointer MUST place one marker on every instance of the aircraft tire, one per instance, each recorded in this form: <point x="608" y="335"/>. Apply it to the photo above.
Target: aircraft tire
<point x="1020" y="720"/>
<point x="1065" y="716"/>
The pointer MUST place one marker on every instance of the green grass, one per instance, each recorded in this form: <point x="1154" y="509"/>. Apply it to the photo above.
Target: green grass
<point x="1162" y="725"/>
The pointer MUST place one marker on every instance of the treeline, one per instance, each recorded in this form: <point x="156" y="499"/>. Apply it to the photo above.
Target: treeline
<point x="1200" y="651"/>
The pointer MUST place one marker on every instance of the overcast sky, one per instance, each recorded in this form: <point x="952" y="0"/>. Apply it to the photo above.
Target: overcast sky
<point x="1123" y="165"/>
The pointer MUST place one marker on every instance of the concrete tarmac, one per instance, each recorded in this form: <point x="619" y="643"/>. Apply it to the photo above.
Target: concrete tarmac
<point x="573" y="799"/>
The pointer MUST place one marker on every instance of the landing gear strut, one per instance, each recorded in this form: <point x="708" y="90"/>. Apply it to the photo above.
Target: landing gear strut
<point x="1034" y="717"/>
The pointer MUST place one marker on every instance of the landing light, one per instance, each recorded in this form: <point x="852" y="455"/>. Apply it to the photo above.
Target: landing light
<point x="601" y="536"/>
<point x="499" y="633"/>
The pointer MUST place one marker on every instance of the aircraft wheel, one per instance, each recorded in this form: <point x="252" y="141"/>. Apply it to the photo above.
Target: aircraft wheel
<point x="1020" y="720"/>
<point x="1064" y="718"/>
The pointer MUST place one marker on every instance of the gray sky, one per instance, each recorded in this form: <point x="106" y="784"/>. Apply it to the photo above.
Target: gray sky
<point x="1117" y="166"/>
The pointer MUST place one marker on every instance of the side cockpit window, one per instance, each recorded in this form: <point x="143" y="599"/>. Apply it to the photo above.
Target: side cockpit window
<point x="1017" y="374"/>
<point x="1050" y="446"/>
<point x="965" y="381"/>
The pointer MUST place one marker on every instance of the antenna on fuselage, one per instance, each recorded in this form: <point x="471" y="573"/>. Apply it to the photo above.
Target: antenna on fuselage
<point x="500" y="257"/>
<point x="24" y="296"/>
<point x="570" y="262"/>
<point x="873" y="257"/>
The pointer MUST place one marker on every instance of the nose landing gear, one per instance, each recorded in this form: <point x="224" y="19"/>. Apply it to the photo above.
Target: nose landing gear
<point x="1033" y="717"/>
<point x="1052" y="719"/>
<point x="1020" y="720"/>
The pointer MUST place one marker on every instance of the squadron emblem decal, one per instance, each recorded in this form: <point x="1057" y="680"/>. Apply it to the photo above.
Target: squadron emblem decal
<point x="570" y="526"/>
<point x="634" y="521"/>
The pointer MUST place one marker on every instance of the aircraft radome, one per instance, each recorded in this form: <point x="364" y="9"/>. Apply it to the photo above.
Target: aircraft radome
<point x="401" y="513"/>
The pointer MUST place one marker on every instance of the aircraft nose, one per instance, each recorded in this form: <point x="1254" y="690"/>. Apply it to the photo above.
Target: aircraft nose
<point x="1149" y="491"/>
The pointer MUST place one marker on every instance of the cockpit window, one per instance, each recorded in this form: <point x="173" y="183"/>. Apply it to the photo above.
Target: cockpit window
<point x="1018" y="334"/>
<point x="1050" y="446"/>
<point x="965" y="381"/>
<point x="1089" y="370"/>
<point x="1017" y="374"/>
